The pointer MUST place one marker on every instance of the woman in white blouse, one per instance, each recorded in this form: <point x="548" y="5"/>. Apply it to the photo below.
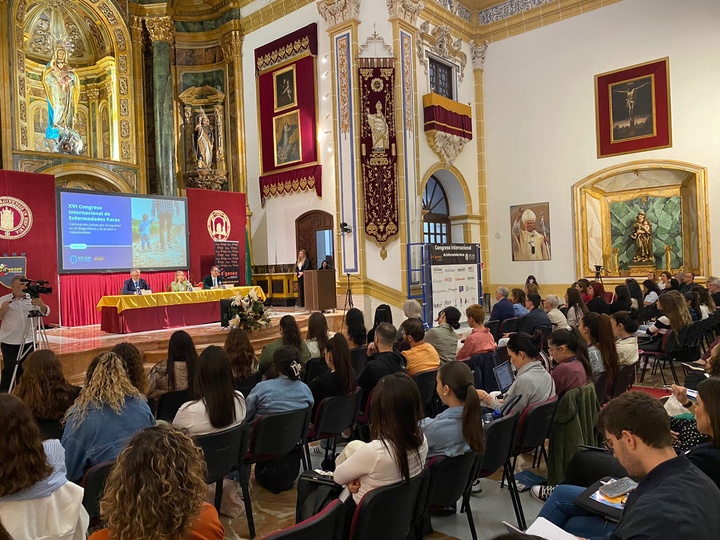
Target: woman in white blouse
<point x="218" y="406"/>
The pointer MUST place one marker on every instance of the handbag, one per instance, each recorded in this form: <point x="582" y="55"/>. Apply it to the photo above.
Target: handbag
<point x="315" y="491"/>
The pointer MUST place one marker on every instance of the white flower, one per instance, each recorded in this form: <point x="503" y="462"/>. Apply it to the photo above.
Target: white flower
<point x="253" y="295"/>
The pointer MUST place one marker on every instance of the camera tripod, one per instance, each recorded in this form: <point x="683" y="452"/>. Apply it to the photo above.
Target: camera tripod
<point x="34" y="328"/>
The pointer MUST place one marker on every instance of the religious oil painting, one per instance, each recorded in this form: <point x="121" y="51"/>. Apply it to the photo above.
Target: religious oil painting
<point x="530" y="232"/>
<point x="633" y="109"/>
<point x="285" y="88"/>
<point x="287" y="138"/>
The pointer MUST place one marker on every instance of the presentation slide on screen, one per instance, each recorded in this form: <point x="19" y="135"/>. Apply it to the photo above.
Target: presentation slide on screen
<point x="100" y="232"/>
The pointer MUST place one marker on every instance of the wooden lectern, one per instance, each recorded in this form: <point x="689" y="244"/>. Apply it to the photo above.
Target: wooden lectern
<point x="320" y="290"/>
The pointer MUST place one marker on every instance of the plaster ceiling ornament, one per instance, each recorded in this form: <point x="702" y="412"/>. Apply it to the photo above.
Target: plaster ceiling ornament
<point x="161" y="29"/>
<point x="231" y="44"/>
<point x="407" y="10"/>
<point x="336" y="12"/>
<point x="439" y="41"/>
<point x="478" y="52"/>
<point x="447" y="146"/>
<point x="379" y="46"/>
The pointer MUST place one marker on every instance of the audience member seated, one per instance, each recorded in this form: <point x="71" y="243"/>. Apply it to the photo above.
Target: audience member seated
<point x="284" y="393"/>
<point x="675" y="316"/>
<point x="341" y="379"/>
<point x="622" y="300"/>
<point x="518" y="300"/>
<point x="383" y="313"/>
<point x="135" y="283"/>
<point x="398" y="448"/>
<point x="664" y="281"/>
<point x="354" y="329"/>
<point x="317" y="335"/>
<point x="651" y="292"/>
<point x="218" y="405"/>
<point x="43" y="387"/>
<point x="638" y="431"/>
<point x="412" y="311"/>
<point x="707" y="304"/>
<point x="597" y="303"/>
<point x="624" y="326"/>
<point x="420" y="356"/>
<point x="214" y="280"/>
<point x="582" y="285"/>
<point x="165" y="500"/>
<point x="178" y="371"/>
<point x="503" y="308"/>
<point x="289" y="337"/>
<point x="713" y="285"/>
<point x="597" y="331"/>
<point x="557" y="319"/>
<point x="692" y="299"/>
<point x="108" y="411"/>
<point x="457" y="429"/>
<point x="180" y="284"/>
<point x="569" y="350"/>
<point x="443" y="336"/>
<point x="532" y="381"/>
<point x="637" y="298"/>
<point x="687" y="282"/>
<point x="36" y="499"/>
<point x="536" y="318"/>
<point x="134" y="366"/>
<point x="241" y="352"/>
<point x="480" y="340"/>
<point x="576" y="307"/>
<point x="383" y="360"/>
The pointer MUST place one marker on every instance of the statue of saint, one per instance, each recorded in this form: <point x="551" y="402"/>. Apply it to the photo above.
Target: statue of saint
<point x="204" y="144"/>
<point x="641" y="233"/>
<point x="379" y="128"/>
<point x="62" y="88"/>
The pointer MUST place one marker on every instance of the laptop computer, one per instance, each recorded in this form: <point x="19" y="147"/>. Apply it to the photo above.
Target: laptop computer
<point x="504" y="376"/>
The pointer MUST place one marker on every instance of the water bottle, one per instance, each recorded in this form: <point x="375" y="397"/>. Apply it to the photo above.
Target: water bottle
<point x="190" y="287"/>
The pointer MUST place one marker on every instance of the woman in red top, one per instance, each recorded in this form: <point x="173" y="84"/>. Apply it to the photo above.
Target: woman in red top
<point x="156" y="491"/>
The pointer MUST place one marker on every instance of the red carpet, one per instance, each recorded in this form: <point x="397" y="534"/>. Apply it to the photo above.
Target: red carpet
<point x="654" y="392"/>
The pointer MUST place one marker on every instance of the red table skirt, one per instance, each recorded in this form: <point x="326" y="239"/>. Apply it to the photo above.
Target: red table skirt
<point x="157" y="318"/>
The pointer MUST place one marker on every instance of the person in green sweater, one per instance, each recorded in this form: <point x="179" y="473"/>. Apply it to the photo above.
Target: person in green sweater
<point x="289" y="335"/>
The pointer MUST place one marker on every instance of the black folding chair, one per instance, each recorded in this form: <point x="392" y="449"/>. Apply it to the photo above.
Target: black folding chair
<point x="623" y="380"/>
<point x="494" y="327"/>
<point x="426" y="382"/>
<point x="328" y="524"/>
<point x="510" y="325"/>
<point x="245" y="386"/>
<point x="169" y="403"/>
<point x="94" y="484"/>
<point x="333" y="416"/>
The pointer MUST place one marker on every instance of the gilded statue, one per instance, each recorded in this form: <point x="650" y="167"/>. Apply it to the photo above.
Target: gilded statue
<point x="642" y="234"/>
<point x="62" y="88"/>
<point x="204" y="142"/>
<point x="379" y="128"/>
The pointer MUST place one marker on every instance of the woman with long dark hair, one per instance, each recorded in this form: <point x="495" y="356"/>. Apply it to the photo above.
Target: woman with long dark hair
<point x="597" y="302"/>
<point x="341" y="380"/>
<point x="178" y="371"/>
<point x="398" y="448"/>
<point x="692" y="299"/>
<point x="354" y="329"/>
<point x="532" y="381"/>
<point x="383" y="313"/>
<point x="289" y="337"/>
<point x="43" y="386"/>
<point x="156" y="491"/>
<point x="622" y="299"/>
<point x="624" y="326"/>
<point x="217" y="404"/>
<point x="317" y="335"/>
<point x="651" y="292"/>
<point x="36" y="499"/>
<point x="569" y="350"/>
<point x="576" y="306"/>
<point x="243" y="361"/>
<point x="637" y="298"/>
<point x="134" y="365"/>
<point x="597" y="331"/>
<point x="707" y="304"/>
<point x="458" y="429"/>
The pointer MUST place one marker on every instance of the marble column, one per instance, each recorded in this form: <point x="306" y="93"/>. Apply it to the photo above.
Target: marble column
<point x="162" y="35"/>
<point x="231" y="45"/>
<point x="138" y="67"/>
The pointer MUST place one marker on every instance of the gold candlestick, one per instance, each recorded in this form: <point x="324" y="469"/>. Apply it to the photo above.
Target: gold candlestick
<point x="668" y="257"/>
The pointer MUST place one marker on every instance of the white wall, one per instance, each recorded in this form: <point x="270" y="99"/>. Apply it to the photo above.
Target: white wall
<point x="540" y="113"/>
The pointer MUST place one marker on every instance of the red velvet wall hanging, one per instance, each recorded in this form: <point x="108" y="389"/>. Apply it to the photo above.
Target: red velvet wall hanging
<point x="287" y="98"/>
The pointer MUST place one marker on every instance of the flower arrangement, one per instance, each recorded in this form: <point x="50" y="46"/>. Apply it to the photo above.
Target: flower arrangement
<point x="248" y="313"/>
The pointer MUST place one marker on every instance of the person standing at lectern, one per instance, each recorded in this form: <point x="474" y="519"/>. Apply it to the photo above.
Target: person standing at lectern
<point x="301" y="266"/>
<point x="214" y="280"/>
<point x="14" y="310"/>
<point x="135" y="283"/>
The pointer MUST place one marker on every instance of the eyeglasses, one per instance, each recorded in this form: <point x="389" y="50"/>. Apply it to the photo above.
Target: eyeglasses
<point x="609" y="448"/>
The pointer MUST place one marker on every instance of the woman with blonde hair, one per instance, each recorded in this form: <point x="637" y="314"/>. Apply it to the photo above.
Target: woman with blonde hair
<point x="675" y="316"/>
<point x="107" y="413"/>
<point x="156" y="491"/>
<point x="43" y="386"/>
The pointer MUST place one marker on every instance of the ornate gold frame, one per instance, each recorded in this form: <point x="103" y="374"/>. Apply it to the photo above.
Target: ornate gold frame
<point x="280" y="120"/>
<point x="276" y="74"/>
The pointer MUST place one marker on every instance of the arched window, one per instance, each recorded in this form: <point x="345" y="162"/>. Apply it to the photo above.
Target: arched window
<point x="436" y="213"/>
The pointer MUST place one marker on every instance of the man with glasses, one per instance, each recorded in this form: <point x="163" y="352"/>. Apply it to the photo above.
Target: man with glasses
<point x="673" y="497"/>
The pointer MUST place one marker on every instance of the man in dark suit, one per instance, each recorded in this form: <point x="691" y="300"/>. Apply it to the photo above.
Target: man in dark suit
<point x="503" y="308"/>
<point x="713" y="286"/>
<point x="536" y="317"/>
<point x="135" y="283"/>
<point x="213" y="281"/>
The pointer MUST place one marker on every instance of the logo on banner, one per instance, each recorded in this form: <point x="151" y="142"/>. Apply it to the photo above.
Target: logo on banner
<point x="15" y="218"/>
<point x="11" y="267"/>
<point x="218" y="225"/>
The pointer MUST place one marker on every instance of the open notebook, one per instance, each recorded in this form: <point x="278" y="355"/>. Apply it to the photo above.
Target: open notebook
<point x="544" y="529"/>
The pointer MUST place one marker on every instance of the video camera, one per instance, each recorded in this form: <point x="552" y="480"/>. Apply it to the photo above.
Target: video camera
<point x="35" y="287"/>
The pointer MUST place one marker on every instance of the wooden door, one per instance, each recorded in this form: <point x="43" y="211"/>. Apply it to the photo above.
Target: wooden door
<point x="306" y="228"/>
